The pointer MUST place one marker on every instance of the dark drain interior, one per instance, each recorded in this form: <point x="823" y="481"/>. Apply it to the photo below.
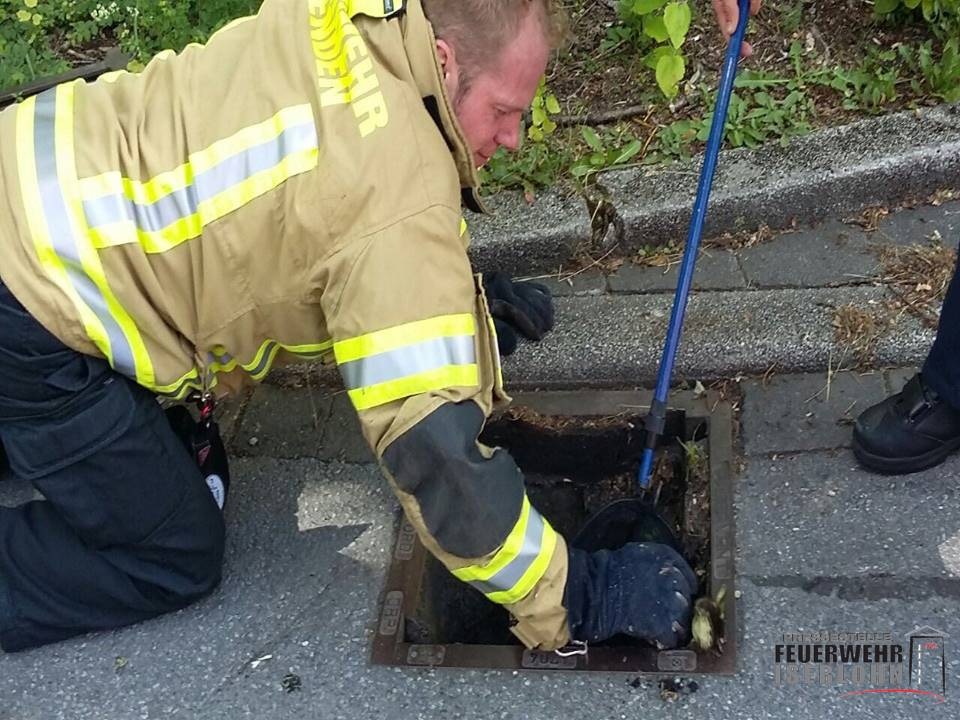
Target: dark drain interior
<point x="579" y="450"/>
<point x="573" y="466"/>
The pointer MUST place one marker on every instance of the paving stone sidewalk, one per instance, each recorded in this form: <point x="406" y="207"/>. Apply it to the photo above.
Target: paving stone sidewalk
<point x="821" y="545"/>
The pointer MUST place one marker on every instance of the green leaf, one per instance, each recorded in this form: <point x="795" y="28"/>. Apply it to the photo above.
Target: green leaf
<point x="654" y="27"/>
<point x="645" y="7"/>
<point x="912" y="4"/>
<point x="653" y="57"/>
<point x="591" y="138"/>
<point x="581" y="169"/>
<point x="670" y="70"/>
<point x="628" y="152"/>
<point x="885" y="7"/>
<point x="553" y="107"/>
<point x="676" y="17"/>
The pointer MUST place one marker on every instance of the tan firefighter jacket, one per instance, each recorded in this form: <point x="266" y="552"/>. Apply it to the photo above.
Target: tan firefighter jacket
<point x="291" y="189"/>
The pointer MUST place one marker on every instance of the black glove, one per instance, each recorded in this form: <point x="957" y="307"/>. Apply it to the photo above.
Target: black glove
<point x="526" y="307"/>
<point x="642" y="590"/>
<point x="202" y="440"/>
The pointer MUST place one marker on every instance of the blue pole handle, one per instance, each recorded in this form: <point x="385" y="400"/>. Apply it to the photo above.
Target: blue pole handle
<point x="655" y="419"/>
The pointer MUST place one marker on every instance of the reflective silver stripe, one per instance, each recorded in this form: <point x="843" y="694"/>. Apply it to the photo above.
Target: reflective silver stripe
<point x="192" y="382"/>
<point x="268" y="353"/>
<point x="510" y="574"/>
<point x="185" y="202"/>
<point x="156" y="216"/>
<point x="409" y="360"/>
<point x="64" y="240"/>
<point x="221" y="359"/>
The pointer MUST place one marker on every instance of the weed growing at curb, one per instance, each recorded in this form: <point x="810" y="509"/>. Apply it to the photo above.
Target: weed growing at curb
<point x="856" y="332"/>
<point x="918" y="277"/>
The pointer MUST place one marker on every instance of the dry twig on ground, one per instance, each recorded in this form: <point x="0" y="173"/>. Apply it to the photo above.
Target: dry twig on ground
<point x="856" y="332"/>
<point x="918" y="276"/>
<point x="869" y="219"/>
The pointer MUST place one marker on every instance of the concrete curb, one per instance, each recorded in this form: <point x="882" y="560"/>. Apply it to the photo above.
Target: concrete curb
<point x="611" y="340"/>
<point x="522" y="237"/>
<point x="831" y="172"/>
<point x="616" y="340"/>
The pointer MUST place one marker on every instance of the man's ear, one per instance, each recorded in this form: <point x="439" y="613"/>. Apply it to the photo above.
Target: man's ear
<point x="451" y="70"/>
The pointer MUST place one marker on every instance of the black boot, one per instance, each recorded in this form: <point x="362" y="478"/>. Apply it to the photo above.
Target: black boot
<point x="908" y="432"/>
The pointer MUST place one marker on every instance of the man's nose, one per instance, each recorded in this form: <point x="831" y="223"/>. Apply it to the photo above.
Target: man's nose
<point x="509" y="136"/>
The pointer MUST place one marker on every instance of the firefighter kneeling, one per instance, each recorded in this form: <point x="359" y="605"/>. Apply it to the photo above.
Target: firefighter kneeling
<point x="290" y="190"/>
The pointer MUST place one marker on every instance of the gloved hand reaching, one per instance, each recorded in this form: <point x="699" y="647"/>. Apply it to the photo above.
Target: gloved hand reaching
<point x="642" y="590"/>
<point x="526" y="307"/>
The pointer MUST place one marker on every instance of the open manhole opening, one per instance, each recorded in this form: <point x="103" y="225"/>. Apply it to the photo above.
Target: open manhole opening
<point x="578" y="451"/>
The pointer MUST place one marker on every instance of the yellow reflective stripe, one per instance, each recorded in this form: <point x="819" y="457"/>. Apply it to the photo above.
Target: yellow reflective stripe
<point x="256" y="185"/>
<point x="40" y="232"/>
<point x="160" y="186"/>
<point x="463" y="227"/>
<point x="505" y="555"/>
<point x="218" y="366"/>
<point x="265" y="355"/>
<point x="250" y="136"/>
<point x="108" y="194"/>
<point x="548" y="543"/>
<point x="179" y="389"/>
<point x="259" y="366"/>
<point x="89" y="258"/>
<point x="437" y="379"/>
<point x="207" y="211"/>
<point x="400" y="335"/>
<point x="309" y="349"/>
<point x="519" y="563"/>
<point x="265" y="358"/>
<point x="126" y="233"/>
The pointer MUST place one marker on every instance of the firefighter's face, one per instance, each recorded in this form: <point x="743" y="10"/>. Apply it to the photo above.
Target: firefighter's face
<point x="491" y="107"/>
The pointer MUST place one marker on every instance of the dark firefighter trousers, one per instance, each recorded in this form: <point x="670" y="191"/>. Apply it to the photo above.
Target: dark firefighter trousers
<point x="127" y="529"/>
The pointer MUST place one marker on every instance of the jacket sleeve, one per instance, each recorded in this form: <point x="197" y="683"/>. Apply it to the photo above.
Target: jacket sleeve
<point x="416" y="348"/>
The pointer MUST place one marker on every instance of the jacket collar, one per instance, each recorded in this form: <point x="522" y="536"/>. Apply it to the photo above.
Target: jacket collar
<point x="420" y="44"/>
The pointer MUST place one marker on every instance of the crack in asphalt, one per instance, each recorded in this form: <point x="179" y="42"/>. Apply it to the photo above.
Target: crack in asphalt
<point x="876" y="586"/>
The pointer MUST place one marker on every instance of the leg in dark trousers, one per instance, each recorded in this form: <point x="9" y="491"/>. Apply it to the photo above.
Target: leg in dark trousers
<point x="128" y="529"/>
<point x="941" y="371"/>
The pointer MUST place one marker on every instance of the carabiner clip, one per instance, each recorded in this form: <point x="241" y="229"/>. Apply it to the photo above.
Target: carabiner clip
<point x="207" y="404"/>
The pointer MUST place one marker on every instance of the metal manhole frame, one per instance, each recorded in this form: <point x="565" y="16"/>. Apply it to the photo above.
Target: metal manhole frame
<point x="406" y="571"/>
